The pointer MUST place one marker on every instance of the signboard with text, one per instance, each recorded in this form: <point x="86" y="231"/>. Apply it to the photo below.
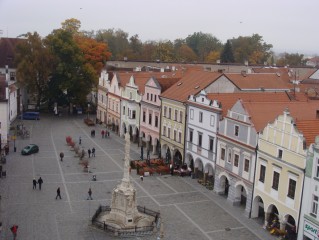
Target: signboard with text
<point x="311" y="230"/>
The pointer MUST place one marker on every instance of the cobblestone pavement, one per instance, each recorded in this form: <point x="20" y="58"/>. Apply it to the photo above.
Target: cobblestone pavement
<point x="189" y="211"/>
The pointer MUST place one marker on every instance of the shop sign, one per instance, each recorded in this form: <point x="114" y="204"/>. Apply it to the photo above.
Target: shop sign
<point x="311" y="229"/>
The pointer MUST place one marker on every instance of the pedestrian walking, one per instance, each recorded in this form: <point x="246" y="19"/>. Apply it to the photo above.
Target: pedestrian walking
<point x="40" y="181"/>
<point x="80" y="140"/>
<point x="14" y="230"/>
<point x="89" y="152"/>
<point x="102" y="133"/>
<point x="93" y="152"/>
<point x="58" y="193"/>
<point x="61" y="156"/>
<point x="108" y="133"/>
<point x="34" y="183"/>
<point x="90" y="194"/>
<point x="141" y="177"/>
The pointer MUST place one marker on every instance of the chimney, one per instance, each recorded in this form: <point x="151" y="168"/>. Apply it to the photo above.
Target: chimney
<point x="243" y="73"/>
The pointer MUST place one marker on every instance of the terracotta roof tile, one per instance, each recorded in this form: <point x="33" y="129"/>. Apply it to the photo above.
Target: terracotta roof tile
<point x="262" y="113"/>
<point x="260" y="80"/>
<point x="309" y="129"/>
<point x="227" y="100"/>
<point x="190" y="84"/>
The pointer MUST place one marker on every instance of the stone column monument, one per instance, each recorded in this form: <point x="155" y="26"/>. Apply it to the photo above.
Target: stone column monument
<point x="124" y="213"/>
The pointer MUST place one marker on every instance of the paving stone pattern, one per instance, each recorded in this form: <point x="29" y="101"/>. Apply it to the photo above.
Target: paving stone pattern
<point x="189" y="211"/>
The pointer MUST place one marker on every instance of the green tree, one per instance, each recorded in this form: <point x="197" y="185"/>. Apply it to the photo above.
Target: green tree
<point x="164" y="51"/>
<point x="227" y="55"/>
<point x="202" y="44"/>
<point x="135" y="47"/>
<point x="252" y="49"/>
<point x="117" y="41"/>
<point x="212" y="57"/>
<point x="293" y="59"/>
<point x="34" y="65"/>
<point x="148" y="51"/>
<point x="72" y="78"/>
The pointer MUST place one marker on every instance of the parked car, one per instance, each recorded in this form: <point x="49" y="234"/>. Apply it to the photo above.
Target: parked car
<point x="31" y="148"/>
<point x="30" y="116"/>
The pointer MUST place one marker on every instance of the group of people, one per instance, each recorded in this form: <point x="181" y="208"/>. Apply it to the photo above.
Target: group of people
<point x="91" y="152"/>
<point x="105" y="133"/>
<point x="35" y="182"/>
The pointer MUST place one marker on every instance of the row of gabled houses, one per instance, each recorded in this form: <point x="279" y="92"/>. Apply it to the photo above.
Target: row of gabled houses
<point x="251" y="135"/>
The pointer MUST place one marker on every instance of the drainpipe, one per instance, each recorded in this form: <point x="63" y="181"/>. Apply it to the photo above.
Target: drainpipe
<point x="303" y="185"/>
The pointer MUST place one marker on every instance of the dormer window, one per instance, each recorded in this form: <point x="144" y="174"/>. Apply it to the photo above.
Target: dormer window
<point x="180" y="83"/>
<point x="202" y="99"/>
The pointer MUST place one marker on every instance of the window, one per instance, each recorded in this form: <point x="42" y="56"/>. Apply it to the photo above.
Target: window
<point x="150" y="118"/>
<point x="151" y="97"/>
<point x="144" y="116"/>
<point x="292" y="188"/>
<point x="262" y="173"/>
<point x="164" y="131"/>
<point x="236" y="160"/>
<point x="179" y="137"/>
<point x="275" y="180"/>
<point x="12" y="76"/>
<point x="165" y="109"/>
<point x="180" y="116"/>
<point x="314" y="205"/>
<point x="175" y="133"/>
<point x="169" y="113"/>
<point x="191" y="135"/>
<point x="176" y="112"/>
<point x="236" y="130"/>
<point x="211" y="144"/>
<point x="279" y="153"/>
<point x="154" y="98"/>
<point x="200" y="116"/>
<point x="192" y="113"/>
<point x="317" y="168"/>
<point x="246" y="165"/>
<point x="222" y="154"/>
<point x="147" y="96"/>
<point x="212" y="120"/>
<point x="169" y="133"/>
<point x="229" y="156"/>
<point x="133" y="114"/>
<point x="123" y="110"/>
<point x="156" y="121"/>
<point x="200" y="138"/>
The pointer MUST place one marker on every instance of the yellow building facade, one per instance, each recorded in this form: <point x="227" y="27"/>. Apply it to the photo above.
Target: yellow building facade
<point x="281" y="160"/>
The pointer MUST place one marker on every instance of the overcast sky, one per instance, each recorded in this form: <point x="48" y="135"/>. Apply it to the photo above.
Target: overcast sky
<point x="289" y="25"/>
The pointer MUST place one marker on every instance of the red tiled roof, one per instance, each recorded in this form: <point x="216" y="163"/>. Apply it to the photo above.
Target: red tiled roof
<point x="260" y="80"/>
<point x="228" y="100"/>
<point x="262" y="113"/>
<point x="309" y="129"/>
<point x="7" y="49"/>
<point x="190" y="84"/>
<point x="166" y="83"/>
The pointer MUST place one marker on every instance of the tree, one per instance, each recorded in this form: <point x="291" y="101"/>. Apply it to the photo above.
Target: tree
<point x="252" y="49"/>
<point x="185" y="54"/>
<point x="71" y="25"/>
<point x="164" y="52"/>
<point x="227" y="55"/>
<point x="34" y="65"/>
<point x="72" y="78"/>
<point x="148" y="51"/>
<point x="212" y="57"/>
<point x="293" y="59"/>
<point x="136" y="47"/>
<point x="95" y="53"/>
<point x="117" y="41"/>
<point x="203" y="43"/>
